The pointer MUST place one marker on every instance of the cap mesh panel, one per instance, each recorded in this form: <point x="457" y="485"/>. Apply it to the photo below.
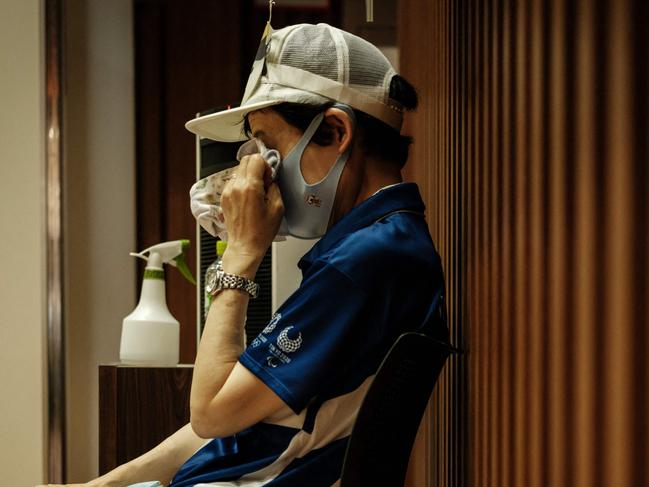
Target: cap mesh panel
<point x="368" y="66"/>
<point x="311" y="48"/>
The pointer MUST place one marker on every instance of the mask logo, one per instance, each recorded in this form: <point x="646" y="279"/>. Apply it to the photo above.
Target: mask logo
<point x="313" y="200"/>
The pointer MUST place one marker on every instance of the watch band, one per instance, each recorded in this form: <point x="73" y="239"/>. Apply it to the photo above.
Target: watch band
<point x="233" y="281"/>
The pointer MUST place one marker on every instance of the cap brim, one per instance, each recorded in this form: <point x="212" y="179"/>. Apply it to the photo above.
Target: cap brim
<point x="226" y="126"/>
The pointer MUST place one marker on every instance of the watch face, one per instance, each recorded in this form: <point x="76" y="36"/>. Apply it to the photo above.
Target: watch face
<point x="211" y="279"/>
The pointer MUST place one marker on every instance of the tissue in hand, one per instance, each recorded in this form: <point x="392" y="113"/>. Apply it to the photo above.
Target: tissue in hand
<point x="205" y="194"/>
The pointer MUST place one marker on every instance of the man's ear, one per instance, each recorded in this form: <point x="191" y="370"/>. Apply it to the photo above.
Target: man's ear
<point x="341" y="127"/>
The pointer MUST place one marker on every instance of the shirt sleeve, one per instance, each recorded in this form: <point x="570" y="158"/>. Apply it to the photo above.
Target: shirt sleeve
<point x="310" y="338"/>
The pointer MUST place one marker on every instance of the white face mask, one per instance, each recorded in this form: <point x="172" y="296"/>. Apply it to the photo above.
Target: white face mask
<point x="308" y="206"/>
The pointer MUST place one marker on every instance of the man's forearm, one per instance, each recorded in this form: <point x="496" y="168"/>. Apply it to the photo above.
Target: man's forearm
<point x="220" y="346"/>
<point x="222" y="342"/>
<point x="161" y="463"/>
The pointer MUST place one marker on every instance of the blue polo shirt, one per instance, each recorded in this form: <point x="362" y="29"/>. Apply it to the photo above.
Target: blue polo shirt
<point x="374" y="275"/>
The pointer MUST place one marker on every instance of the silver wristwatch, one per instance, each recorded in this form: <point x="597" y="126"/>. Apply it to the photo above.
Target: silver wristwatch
<point x="217" y="280"/>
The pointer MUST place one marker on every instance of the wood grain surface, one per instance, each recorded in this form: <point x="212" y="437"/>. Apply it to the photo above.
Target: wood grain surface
<point x="138" y="408"/>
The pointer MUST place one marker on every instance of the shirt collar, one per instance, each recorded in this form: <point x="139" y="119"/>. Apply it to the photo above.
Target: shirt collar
<point x="401" y="196"/>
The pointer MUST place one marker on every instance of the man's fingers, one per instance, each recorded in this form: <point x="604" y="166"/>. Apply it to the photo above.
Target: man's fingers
<point x="251" y="172"/>
<point x="274" y="197"/>
<point x="273" y="192"/>
<point x="241" y="168"/>
<point x="256" y="167"/>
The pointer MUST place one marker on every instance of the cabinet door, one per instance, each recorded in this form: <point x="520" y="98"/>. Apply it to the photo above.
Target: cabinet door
<point x="138" y="408"/>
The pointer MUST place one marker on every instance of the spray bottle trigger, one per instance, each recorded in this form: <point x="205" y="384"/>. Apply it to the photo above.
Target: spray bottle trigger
<point x="181" y="264"/>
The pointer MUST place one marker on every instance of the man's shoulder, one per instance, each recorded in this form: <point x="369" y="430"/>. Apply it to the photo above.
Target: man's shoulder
<point x="400" y="234"/>
<point x="399" y="244"/>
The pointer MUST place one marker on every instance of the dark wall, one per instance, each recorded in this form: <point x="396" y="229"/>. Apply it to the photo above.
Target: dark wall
<point x="190" y="56"/>
<point x="532" y="152"/>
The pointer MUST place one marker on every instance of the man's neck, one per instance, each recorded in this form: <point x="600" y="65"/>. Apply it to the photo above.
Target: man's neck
<point x="376" y="180"/>
<point x="375" y="177"/>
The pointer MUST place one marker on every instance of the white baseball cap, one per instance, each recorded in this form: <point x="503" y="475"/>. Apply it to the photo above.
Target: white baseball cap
<point x="309" y="64"/>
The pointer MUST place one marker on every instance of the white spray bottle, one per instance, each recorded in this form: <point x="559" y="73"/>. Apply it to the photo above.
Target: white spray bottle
<point x="150" y="334"/>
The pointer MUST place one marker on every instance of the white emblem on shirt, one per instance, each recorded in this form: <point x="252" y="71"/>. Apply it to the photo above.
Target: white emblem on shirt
<point x="287" y="344"/>
<point x="272" y="323"/>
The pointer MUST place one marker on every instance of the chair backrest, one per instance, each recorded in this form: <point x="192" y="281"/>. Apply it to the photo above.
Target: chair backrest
<point x="388" y="419"/>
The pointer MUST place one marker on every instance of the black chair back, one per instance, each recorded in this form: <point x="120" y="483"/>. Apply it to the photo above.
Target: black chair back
<point x="388" y="419"/>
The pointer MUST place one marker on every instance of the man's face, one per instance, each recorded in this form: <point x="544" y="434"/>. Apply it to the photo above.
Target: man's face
<point x="276" y="133"/>
<point x="317" y="160"/>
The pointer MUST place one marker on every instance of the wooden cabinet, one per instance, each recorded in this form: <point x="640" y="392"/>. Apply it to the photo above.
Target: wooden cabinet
<point x="138" y="408"/>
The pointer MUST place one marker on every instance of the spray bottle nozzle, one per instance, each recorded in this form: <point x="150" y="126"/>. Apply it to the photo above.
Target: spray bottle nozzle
<point x="172" y="253"/>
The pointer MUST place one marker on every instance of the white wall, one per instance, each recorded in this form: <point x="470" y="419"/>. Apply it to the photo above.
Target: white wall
<point x="22" y="244"/>
<point x="100" y="209"/>
<point x="286" y="275"/>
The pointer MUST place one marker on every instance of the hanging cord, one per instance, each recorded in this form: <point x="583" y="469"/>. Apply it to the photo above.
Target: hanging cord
<point x="369" y="10"/>
<point x="270" y="18"/>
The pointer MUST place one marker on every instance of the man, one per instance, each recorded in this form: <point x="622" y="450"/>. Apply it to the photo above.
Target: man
<point x="280" y="411"/>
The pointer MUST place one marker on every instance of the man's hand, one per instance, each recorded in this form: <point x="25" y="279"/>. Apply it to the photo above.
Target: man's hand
<point x="89" y="484"/>
<point x="161" y="462"/>
<point x="253" y="210"/>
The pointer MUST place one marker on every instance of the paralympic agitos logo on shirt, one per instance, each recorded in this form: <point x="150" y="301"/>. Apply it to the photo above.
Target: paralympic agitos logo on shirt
<point x="285" y="343"/>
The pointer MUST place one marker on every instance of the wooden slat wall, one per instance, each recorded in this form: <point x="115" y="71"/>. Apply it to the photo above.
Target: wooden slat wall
<point x="532" y="154"/>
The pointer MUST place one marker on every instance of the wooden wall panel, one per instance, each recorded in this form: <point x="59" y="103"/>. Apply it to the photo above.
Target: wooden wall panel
<point x="532" y="152"/>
